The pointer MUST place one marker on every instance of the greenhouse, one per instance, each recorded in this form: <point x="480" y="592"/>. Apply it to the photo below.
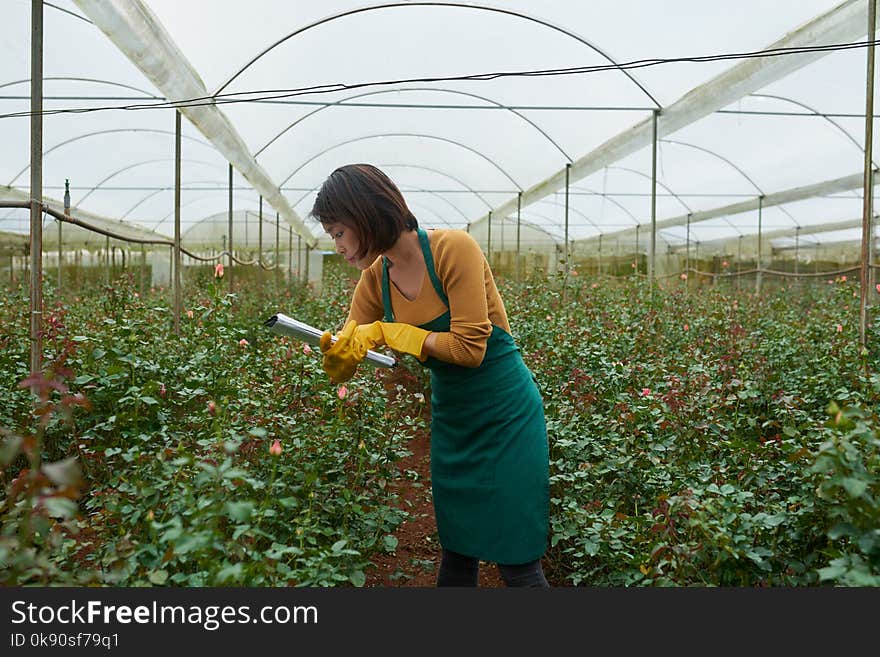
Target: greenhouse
<point x="675" y="200"/>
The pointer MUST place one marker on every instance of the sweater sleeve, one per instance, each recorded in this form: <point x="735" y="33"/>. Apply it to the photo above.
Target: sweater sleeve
<point x="366" y="302"/>
<point x="462" y="270"/>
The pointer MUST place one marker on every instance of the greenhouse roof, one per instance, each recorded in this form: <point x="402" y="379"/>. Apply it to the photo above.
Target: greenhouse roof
<point x="472" y="108"/>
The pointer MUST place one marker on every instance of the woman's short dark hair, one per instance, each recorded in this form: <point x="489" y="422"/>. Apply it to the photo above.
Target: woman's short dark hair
<point x="362" y="197"/>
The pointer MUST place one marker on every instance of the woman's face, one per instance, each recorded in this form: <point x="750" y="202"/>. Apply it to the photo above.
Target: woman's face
<point x="347" y="245"/>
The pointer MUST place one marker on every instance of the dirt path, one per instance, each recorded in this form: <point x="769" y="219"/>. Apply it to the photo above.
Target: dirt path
<point x="417" y="557"/>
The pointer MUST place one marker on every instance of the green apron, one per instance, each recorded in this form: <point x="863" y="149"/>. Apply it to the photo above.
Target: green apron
<point x="489" y="450"/>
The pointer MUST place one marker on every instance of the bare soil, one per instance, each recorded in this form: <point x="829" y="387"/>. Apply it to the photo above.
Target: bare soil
<point x="417" y="557"/>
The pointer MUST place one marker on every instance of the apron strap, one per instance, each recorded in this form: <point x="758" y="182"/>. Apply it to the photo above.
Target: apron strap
<point x="432" y="274"/>
<point x="386" y="292"/>
<point x="429" y="263"/>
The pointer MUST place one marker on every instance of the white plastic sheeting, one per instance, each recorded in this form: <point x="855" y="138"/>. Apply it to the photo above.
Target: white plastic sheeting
<point x="448" y="99"/>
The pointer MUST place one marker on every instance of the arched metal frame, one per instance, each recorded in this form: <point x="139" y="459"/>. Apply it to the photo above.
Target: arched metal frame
<point x="738" y="169"/>
<point x="816" y="112"/>
<point x="610" y="199"/>
<point x="171" y="189"/>
<point x="648" y="177"/>
<point x="417" y="204"/>
<point x="90" y="80"/>
<point x="399" y="134"/>
<point x="393" y="5"/>
<point x="557" y="239"/>
<point x="190" y="202"/>
<point x="128" y="168"/>
<point x="557" y="204"/>
<point x="107" y="132"/>
<point x="442" y="173"/>
<point x="421" y="89"/>
<point x="454" y="5"/>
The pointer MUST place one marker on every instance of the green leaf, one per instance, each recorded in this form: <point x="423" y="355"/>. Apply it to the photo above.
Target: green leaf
<point x="60" y="507"/>
<point x="855" y="487"/>
<point x="832" y="572"/>
<point x="241" y="529"/>
<point x="774" y="520"/>
<point x="240" y="511"/>
<point x="257" y="432"/>
<point x="63" y="473"/>
<point x="841" y="529"/>
<point x="158" y="577"/>
<point x="390" y="543"/>
<point x="230" y="572"/>
<point x="288" y="502"/>
<point x="358" y="578"/>
<point x="10" y="448"/>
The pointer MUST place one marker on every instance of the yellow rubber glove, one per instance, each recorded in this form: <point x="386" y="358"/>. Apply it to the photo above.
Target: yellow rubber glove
<point x="405" y="338"/>
<point x="341" y="358"/>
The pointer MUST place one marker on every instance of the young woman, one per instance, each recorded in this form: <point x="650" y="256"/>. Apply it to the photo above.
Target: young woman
<point x="432" y="294"/>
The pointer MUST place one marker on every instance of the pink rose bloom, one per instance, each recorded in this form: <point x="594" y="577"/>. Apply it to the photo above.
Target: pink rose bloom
<point x="275" y="448"/>
<point x="212" y="407"/>
<point x="218" y="270"/>
<point x="189" y="313"/>
<point x="646" y="392"/>
<point x="243" y="343"/>
<point x="684" y="276"/>
<point x="342" y="392"/>
<point x="840" y="328"/>
<point x="307" y="349"/>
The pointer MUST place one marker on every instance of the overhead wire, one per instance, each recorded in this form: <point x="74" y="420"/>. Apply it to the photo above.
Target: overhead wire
<point x="276" y="94"/>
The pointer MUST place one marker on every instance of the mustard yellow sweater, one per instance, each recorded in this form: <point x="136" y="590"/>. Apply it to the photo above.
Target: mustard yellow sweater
<point x="474" y="302"/>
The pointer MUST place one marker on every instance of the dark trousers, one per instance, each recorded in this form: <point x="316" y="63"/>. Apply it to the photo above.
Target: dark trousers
<point x="460" y="570"/>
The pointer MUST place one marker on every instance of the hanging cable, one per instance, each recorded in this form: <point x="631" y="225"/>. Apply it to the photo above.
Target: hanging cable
<point x="274" y="94"/>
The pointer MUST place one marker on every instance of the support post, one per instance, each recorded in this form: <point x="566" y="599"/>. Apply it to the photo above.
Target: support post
<point x="36" y="216"/>
<point x="760" y="247"/>
<point x="260" y="248"/>
<point x="489" y="238"/>
<point x="687" y="251"/>
<point x="60" y="237"/>
<point x="565" y="252"/>
<point x="308" y="249"/>
<point x="656" y="113"/>
<point x="518" y="223"/>
<point x="176" y="280"/>
<point x="229" y="242"/>
<point x="868" y="195"/>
